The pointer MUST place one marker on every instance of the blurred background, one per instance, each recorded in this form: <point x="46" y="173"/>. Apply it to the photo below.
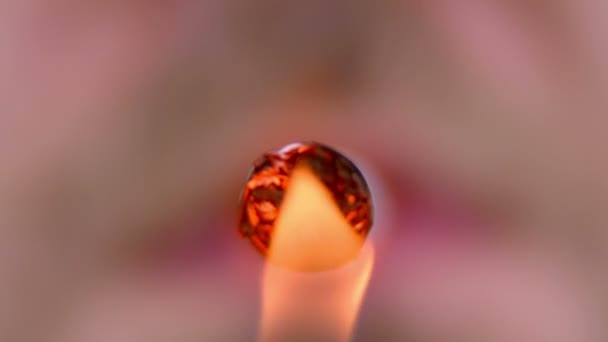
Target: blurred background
<point x="127" y="129"/>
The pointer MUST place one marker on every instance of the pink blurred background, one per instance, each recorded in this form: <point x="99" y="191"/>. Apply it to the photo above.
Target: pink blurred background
<point x="127" y="129"/>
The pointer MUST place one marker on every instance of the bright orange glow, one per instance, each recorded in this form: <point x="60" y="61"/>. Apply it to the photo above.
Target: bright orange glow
<point x="311" y="235"/>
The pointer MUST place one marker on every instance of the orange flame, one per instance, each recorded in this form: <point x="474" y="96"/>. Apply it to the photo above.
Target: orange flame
<point x="311" y="235"/>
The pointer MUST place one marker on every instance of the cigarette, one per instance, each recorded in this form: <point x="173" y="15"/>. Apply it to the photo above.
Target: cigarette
<point x="314" y="306"/>
<point x="317" y="271"/>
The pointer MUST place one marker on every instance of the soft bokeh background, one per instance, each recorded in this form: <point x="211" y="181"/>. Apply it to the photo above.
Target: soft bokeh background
<point x="127" y="128"/>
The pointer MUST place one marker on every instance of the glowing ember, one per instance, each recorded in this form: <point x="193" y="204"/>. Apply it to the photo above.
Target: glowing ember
<point x="270" y="180"/>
